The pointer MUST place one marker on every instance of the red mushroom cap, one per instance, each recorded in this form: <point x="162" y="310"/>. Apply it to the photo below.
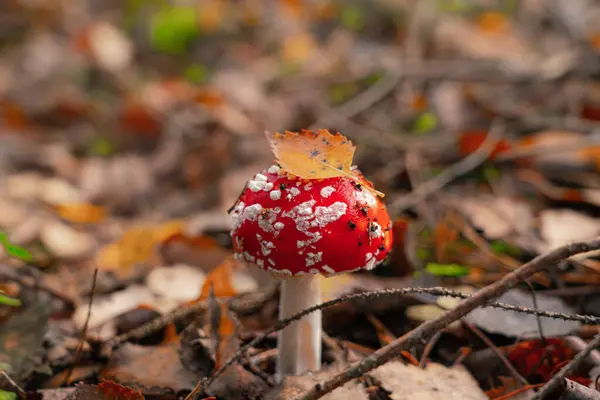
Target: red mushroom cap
<point x="295" y="226"/>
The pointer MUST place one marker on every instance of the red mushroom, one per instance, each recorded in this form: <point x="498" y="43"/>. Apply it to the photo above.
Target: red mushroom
<point x="297" y="228"/>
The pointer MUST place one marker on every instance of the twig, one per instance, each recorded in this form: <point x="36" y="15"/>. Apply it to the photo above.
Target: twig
<point x="437" y="291"/>
<point x="429" y="348"/>
<point x="359" y="103"/>
<point x="83" y="331"/>
<point x="429" y="328"/>
<point x="576" y="391"/>
<point x="509" y="365"/>
<point x="13" y="383"/>
<point x="156" y="324"/>
<point x="465" y="165"/>
<point x="520" y="390"/>
<point x="559" y="377"/>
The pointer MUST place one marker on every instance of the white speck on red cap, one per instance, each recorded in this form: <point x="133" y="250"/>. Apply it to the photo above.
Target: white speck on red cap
<point x="327" y="191"/>
<point x="275" y="194"/>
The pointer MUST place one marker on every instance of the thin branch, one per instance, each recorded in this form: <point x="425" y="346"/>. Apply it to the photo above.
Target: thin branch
<point x="462" y="167"/>
<point x="83" y="331"/>
<point x="13" y="383"/>
<point x="509" y="365"/>
<point x="559" y="377"/>
<point x="156" y="324"/>
<point x="427" y="329"/>
<point x="436" y="291"/>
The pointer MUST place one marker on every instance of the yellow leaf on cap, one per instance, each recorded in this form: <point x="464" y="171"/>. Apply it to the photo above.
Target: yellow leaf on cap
<point x="314" y="155"/>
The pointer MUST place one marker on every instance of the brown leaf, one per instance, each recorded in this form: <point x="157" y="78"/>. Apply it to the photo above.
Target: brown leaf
<point x="144" y="367"/>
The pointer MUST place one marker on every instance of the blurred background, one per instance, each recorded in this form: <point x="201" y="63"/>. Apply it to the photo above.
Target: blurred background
<point x="129" y="127"/>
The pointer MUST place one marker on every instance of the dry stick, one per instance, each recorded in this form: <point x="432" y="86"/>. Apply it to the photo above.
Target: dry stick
<point x="509" y="365"/>
<point x="559" y="377"/>
<point x="465" y="165"/>
<point x="576" y="391"/>
<point x="429" y="328"/>
<point x="156" y="324"/>
<point x="13" y="383"/>
<point x="429" y="348"/>
<point x="83" y="331"/>
<point x="436" y="291"/>
<point x="518" y="391"/>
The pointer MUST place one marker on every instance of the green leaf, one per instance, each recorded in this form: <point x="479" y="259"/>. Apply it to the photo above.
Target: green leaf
<point x="425" y="123"/>
<point x="9" y="301"/>
<point x="352" y="18"/>
<point x="18" y="252"/>
<point x="373" y="78"/>
<point x="14" y="250"/>
<point x="101" y="146"/>
<point x="423" y="254"/>
<point x="4" y="395"/>
<point x="491" y="173"/>
<point x="173" y="29"/>
<point x="197" y="73"/>
<point x="340" y="93"/>
<point x="447" y="269"/>
<point x="501" y="247"/>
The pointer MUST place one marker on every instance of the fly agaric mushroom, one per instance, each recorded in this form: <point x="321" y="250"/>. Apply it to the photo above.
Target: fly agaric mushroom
<point x="298" y="228"/>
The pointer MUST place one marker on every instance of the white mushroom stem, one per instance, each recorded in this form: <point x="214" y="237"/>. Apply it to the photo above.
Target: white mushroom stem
<point x="299" y="343"/>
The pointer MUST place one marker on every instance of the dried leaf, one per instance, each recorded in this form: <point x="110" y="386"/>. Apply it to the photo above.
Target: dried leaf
<point x="298" y="48"/>
<point x="82" y="213"/>
<point x="313" y="155"/>
<point x="136" y="246"/>
<point x="492" y="22"/>
<point x="112" y="390"/>
<point x="221" y="280"/>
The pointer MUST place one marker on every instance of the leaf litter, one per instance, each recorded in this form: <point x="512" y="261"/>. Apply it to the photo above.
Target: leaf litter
<point x="131" y="130"/>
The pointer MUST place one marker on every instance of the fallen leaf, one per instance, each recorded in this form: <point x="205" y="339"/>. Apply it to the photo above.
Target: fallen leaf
<point x="447" y="269"/>
<point x="220" y="281"/>
<point x="178" y="283"/>
<point x="137" y="245"/>
<point x="524" y="325"/>
<point x="313" y="155"/>
<point x="82" y="213"/>
<point x="112" y="390"/>
<point x="298" y="48"/>
<point x="408" y="382"/>
<point x="559" y="227"/>
<point x="143" y="368"/>
<point x="107" y="307"/>
<point x="492" y="22"/>
<point x="65" y="241"/>
<point x="541" y="359"/>
<point x="470" y="141"/>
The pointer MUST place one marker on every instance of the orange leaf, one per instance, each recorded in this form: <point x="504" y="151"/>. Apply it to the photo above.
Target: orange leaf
<point x="136" y="118"/>
<point x="298" y="48"/>
<point x="137" y="245"/>
<point x="492" y="22"/>
<point x="470" y="141"/>
<point x="82" y="213"/>
<point x="418" y="102"/>
<point x="114" y="391"/>
<point x="313" y="155"/>
<point x="221" y="280"/>
<point x="13" y="115"/>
